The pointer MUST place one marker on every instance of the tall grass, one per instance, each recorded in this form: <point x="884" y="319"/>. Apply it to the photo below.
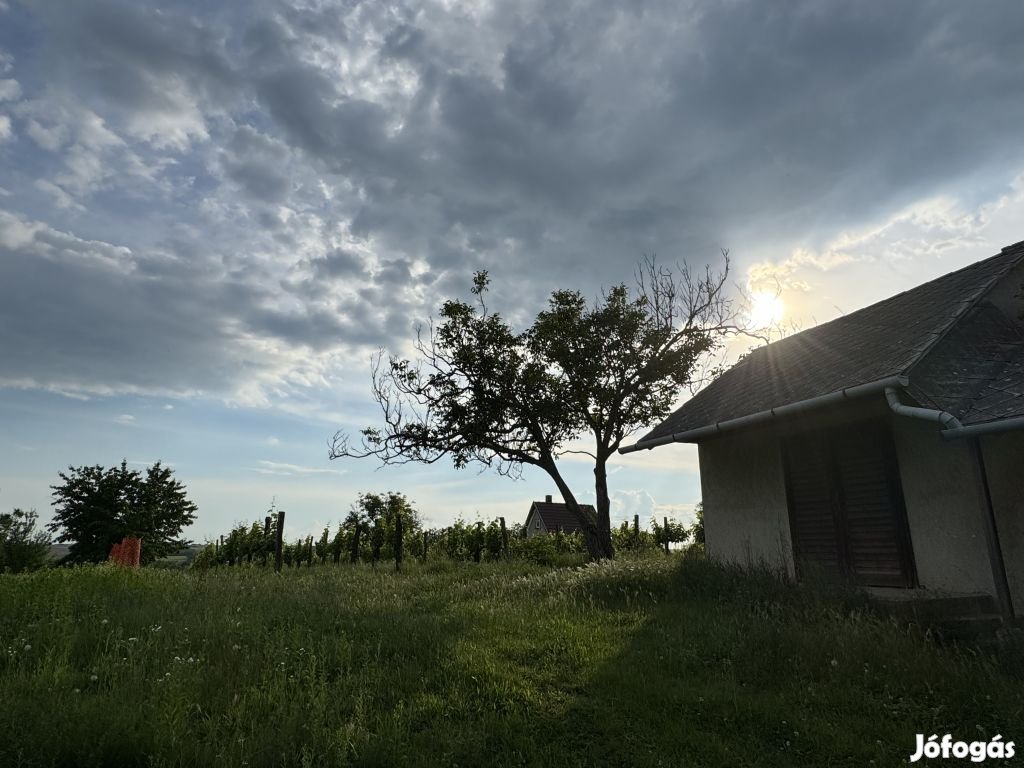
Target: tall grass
<point x="643" y="662"/>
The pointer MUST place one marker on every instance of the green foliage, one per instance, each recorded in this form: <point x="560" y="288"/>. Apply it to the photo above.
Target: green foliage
<point x="22" y="547"/>
<point x="549" y="549"/>
<point x="672" y="529"/>
<point x="378" y="513"/>
<point x="97" y="507"/>
<point x="457" y="664"/>
<point x="485" y="393"/>
<point x="627" y="539"/>
<point x="205" y="559"/>
<point x="697" y="529"/>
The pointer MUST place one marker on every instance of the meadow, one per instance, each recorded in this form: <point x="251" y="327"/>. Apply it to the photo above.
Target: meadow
<point x="657" y="661"/>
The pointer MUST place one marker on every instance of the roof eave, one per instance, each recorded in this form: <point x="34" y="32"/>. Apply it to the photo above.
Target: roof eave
<point x="790" y="409"/>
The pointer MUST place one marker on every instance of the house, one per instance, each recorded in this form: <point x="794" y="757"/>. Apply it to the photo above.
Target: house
<point x="885" y="447"/>
<point x="548" y="516"/>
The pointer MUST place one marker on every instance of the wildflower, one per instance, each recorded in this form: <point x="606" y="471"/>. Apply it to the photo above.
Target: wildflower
<point x="834" y="663"/>
<point x="94" y="678"/>
<point x="105" y="621"/>
<point x="236" y="647"/>
<point x="76" y="691"/>
<point x="132" y="639"/>
<point x="28" y="647"/>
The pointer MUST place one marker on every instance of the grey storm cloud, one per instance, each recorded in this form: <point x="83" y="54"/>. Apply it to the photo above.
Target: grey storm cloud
<point x="258" y="164"/>
<point x="340" y="168"/>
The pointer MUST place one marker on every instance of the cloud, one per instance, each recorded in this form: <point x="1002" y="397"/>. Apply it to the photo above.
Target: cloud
<point x="60" y="198"/>
<point x="165" y="324"/>
<point x="5" y="128"/>
<point x="125" y="419"/>
<point x="264" y="192"/>
<point x="291" y="470"/>
<point x="147" y="464"/>
<point x="257" y="164"/>
<point x="9" y="90"/>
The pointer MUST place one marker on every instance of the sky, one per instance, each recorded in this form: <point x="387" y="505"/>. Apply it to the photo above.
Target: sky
<point x="213" y="213"/>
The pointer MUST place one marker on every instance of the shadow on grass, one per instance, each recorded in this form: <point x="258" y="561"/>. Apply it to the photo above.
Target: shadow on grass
<point x="644" y="663"/>
<point x="713" y="667"/>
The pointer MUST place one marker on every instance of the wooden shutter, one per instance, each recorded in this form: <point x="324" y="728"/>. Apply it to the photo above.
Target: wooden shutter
<point x="872" y="516"/>
<point x="813" y="525"/>
<point x="846" y="510"/>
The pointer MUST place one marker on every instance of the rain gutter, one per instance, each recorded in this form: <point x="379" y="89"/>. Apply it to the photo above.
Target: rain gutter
<point x="701" y="433"/>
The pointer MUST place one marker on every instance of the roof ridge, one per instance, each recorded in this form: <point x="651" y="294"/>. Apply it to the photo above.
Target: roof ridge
<point x="970" y="303"/>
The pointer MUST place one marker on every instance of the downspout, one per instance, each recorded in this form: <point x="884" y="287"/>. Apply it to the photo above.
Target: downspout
<point x="947" y="420"/>
<point x="950" y="424"/>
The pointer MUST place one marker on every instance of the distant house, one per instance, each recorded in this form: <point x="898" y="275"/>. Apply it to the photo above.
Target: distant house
<point x="548" y="516"/>
<point x="885" y="447"/>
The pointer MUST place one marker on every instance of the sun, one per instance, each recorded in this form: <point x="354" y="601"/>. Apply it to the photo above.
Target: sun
<point x="766" y="309"/>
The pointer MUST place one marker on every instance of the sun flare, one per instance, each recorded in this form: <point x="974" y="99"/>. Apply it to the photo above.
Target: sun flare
<point x="766" y="309"/>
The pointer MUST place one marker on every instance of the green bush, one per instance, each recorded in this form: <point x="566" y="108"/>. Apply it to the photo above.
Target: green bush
<point x="22" y="547"/>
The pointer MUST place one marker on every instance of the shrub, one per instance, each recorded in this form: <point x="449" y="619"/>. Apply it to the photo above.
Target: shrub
<point x="22" y="547"/>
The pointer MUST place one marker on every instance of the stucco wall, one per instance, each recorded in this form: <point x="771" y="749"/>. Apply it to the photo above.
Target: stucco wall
<point x="943" y="498"/>
<point x="1004" y="463"/>
<point x="746" y="519"/>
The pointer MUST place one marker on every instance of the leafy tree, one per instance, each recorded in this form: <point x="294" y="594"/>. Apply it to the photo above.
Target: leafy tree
<point x="674" y="531"/>
<point x="697" y="529"/>
<point x="22" y="547"/>
<point x="354" y="526"/>
<point x="97" y="507"/>
<point x="379" y="513"/>
<point x="483" y="393"/>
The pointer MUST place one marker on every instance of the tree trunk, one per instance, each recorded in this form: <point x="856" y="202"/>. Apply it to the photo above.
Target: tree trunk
<point x="591" y="533"/>
<point x="604" y="518"/>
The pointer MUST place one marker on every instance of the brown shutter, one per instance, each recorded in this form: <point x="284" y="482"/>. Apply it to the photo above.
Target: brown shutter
<point x="846" y="509"/>
<point x="811" y="513"/>
<point x="871" y="517"/>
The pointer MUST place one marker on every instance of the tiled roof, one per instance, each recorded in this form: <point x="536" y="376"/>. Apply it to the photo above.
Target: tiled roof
<point x="961" y="353"/>
<point x="976" y="372"/>
<point x="558" y="516"/>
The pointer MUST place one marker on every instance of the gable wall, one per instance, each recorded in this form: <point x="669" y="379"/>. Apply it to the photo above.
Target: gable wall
<point x="531" y="518"/>
<point x="1004" y="464"/>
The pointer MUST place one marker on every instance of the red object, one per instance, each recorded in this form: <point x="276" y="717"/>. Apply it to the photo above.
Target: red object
<point x="127" y="552"/>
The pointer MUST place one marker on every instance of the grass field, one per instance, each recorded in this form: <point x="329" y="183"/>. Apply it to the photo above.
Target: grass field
<point x="648" y="662"/>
